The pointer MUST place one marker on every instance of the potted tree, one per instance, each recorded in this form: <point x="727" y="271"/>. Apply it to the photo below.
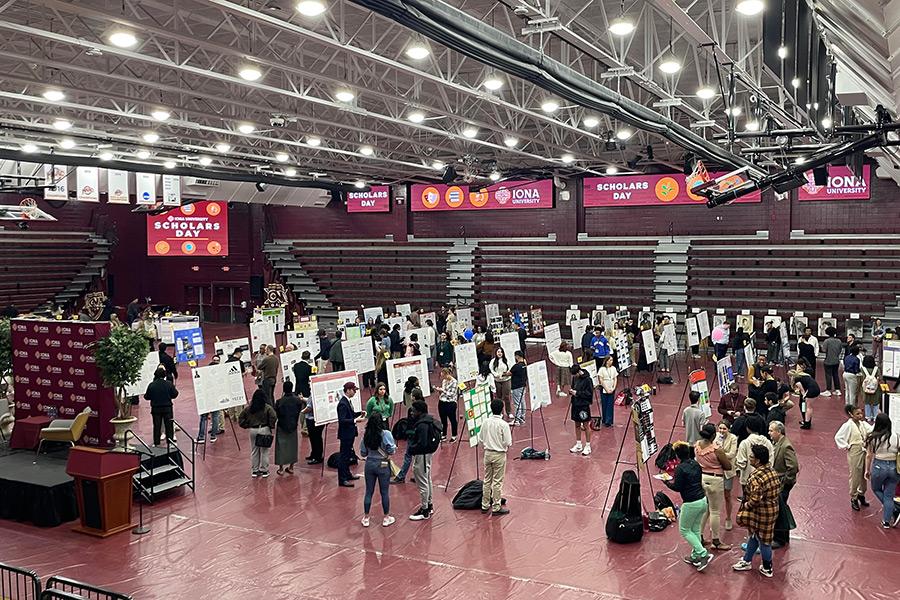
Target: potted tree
<point x="6" y="363"/>
<point x="120" y="357"/>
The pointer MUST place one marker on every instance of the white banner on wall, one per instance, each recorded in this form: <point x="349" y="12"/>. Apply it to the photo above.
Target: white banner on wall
<point x="171" y="185"/>
<point x="117" y="187"/>
<point x="217" y="387"/>
<point x="88" y="184"/>
<point x="55" y="178"/>
<point x="145" y="188"/>
<point x="326" y="393"/>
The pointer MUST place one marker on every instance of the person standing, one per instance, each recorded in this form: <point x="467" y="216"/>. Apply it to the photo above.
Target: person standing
<point x="496" y="438"/>
<point x="759" y="511"/>
<point x="688" y="483"/>
<point x="268" y="369"/>
<point x="396" y="342"/>
<point x="336" y="354"/>
<point x="381" y="404"/>
<point x="303" y="370"/>
<point x="599" y="346"/>
<point x="423" y="442"/>
<point x="756" y="437"/>
<point x="871" y="387"/>
<point x="167" y="362"/>
<point x="808" y="389"/>
<point x="808" y="348"/>
<point x="882" y="447"/>
<point x="719" y="336"/>
<point x="448" y="404"/>
<point x="852" y="367"/>
<point x="727" y="441"/>
<point x="773" y="343"/>
<point x="206" y="417"/>
<point x="731" y="404"/>
<point x="713" y="463"/>
<point x="259" y="418"/>
<point x="324" y="351"/>
<point x="740" y="341"/>
<point x="377" y="446"/>
<point x="502" y="376"/>
<point x="517" y="382"/>
<point x="693" y="418"/>
<point x="852" y="437"/>
<point x="582" y="392"/>
<point x="832" y="347"/>
<point x="563" y="360"/>
<point x="160" y="393"/>
<point x="784" y="462"/>
<point x="739" y="426"/>
<point x="779" y="404"/>
<point x="485" y="352"/>
<point x="444" y="352"/>
<point x="609" y="381"/>
<point x="287" y="409"/>
<point x="316" y="444"/>
<point x="347" y="420"/>
<point x="877" y="339"/>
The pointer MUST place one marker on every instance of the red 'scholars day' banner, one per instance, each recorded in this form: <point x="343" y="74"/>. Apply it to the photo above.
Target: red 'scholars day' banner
<point x="842" y="185"/>
<point x="198" y="229"/>
<point x="651" y="190"/>
<point x="377" y="199"/>
<point x="508" y="194"/>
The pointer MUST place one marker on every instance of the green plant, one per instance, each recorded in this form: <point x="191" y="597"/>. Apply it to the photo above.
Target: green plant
<point x="120" y="357"/>
<point x="6" y="354"/>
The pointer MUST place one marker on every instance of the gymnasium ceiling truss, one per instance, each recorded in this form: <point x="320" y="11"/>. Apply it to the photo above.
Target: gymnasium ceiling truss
<point x="338" y="96"/>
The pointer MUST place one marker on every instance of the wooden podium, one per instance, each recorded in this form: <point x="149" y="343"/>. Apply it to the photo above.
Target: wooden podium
<point x="103" y="488"/>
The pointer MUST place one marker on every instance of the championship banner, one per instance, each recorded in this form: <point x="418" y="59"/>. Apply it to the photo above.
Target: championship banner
<point x="56" y="182"/>
<point x="842" y="185"/>
<point x="117" y="187"/>
<point x="171" y="185"/>
<point x="653" y="190"/>
<point x="88" y="184"/>
<point x="55" y="374"/>
<point x="217" y="387"/>
<point x="198" y="229"/>
<point x="538" y="385"/>
<point x="506" y="195"/>
<point x="145" y="188"/>
<point x="377" y="199"/>
<point x="326" y="393"/>
<point x="466" y="358"/>
<point x="401" y="369"/>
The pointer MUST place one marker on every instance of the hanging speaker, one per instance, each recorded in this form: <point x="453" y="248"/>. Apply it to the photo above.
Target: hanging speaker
<point x="256" y="287"/>
<point x="820" y="175"/>
<point x="449" y="175"/>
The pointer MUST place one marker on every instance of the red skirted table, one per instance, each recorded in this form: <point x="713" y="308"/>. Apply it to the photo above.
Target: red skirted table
<point x="27" y="432"/>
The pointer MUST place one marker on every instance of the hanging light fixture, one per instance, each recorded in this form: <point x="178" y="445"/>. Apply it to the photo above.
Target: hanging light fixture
<point x="669" y="63"/>
<point x="621" y="25"/>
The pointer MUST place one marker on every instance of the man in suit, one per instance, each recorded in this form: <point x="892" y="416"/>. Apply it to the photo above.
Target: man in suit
<point x="784" y="462"/>
<point x="347" y="419"/>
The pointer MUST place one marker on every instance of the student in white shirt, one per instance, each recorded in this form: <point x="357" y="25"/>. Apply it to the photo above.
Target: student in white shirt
<point x="852" y="438"/>
<point x="563" y="360"/>
<point x="756" y="428"/>
<point x="496" y="438"/>
<point x="609" y="380"/>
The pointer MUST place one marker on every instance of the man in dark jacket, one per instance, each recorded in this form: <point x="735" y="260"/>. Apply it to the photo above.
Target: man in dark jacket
<point x="336" y="354"/>
<point x="347" y="419"/>
<point x="167" y="362"/>
<point x="160" y="393"/>
<point x="302" y="373"/>
<point x="739" y="427"/>
<point x="324" y="350"/>
<point x="422" y="445"/>
<point x="268" y="368"/>
<point x="396" y="342"/>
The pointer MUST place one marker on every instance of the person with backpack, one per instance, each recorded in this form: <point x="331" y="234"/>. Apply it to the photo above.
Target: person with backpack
<point x="871" y="387"/>
<point x="852" y="437"/>
<point x="882" y="447"/>
<point x="448" y="404"/>
<point x="376" y="447"/>
<point x="582" y="392"/>
<point x="287" y="408"/>
<point x="496" y="438"/>
<point x="851" y="374"/>
<point x="424" y="441"/>
<point x="518" y="380"/>
<point x="688" y="482"/>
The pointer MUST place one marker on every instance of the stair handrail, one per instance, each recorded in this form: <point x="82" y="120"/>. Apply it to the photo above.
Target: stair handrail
<point x="146" y="494"/>
<point x="193" y="456"/>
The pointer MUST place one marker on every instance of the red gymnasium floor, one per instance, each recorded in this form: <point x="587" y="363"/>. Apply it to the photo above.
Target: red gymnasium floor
<point x="300" y="537"/>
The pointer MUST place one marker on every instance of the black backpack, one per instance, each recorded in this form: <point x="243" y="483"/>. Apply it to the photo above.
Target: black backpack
<point x="434" y="436"/>
<point x="625" y="524"/>
<point x="664" y="455"/>
<point x="399" y="430"/>
<point x="662" y="501"/>
<point x="533" y="454"/>
<point x="469" y="496"/>
<point x="333" y="460"/>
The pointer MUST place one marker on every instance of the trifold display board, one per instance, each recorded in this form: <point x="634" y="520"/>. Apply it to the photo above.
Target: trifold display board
<point x="326" y="392"/>
<point x="401" y="369"/>
<point x="217" y="387"/>
<point x="538" y="385"/>
<point x="891" y="358"/>
<point x="466" y="358"/>
<point x="288" y="360"/>
<point x="476" y="408"/>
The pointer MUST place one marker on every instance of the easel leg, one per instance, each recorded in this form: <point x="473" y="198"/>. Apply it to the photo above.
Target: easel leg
<point x="612" y="477"/>
<point x="453" y="462"/>
<point x="234" y="433"/>
<point x="687" y="383"/>
<point x="324" y="444"/>
<point x="544" y="425"/>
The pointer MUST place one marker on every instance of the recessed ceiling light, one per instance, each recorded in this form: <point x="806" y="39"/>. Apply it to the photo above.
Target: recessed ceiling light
<point x="313" y="141"/>
<point x="550" y="106"/>
<point x="438" y="165"/>
<point x="122" y="39"/>
<point x="105" y="156"/>
<point x="223" y="147"/>
<point x="246" y="128"/>
<point x="61" y="124"/>
<point x="292" y="172"/>
<point x="567" y="158"/>
<point x="624" y="133"/>
<point x="169" y="164"/>
<point x="359" y="184"/>
<point x="621" y="26"/>
<point x="366" y="150"/>
<point x="282" y="157"/>
<point x="54" y="95"/>
<point x="67" y="143"/>
<point x="782" y="52"/>
<point x="310" y="8"/>
<point x="494" y="176"/>
<point x="751" y="126"/>
<point x="29" y="148"/>
<point x="826" y="123"/>
<point x="345" y="95"/>
<point x="417" y="51"/>
<point x="142" y="154"/>
<point x="705" y="93"/>
<point x="470" y="132"/>
<point x="250" y="73"/>
<point x="150" y="137"/>
<point x="493" y="83"/>
<point x="160" y="115"/>
<point x="670" y="65"/>
<point x="591" y="121"/>
<point x="510" y="142"/>
<point x="612" y="170"/>
<point x="205" y="161"/>
<point x="750" y="7"/>
<point x="416" y="117"/>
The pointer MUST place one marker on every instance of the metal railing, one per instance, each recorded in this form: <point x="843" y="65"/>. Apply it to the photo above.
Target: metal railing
<point x="193" y="456"/>
<point x="146" y="493"/>
<point x="82" y="590"/>
<point x="19" y="584"/>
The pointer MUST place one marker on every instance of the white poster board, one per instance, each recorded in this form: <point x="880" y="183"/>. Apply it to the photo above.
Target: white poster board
<point x="703" y="324"/>
<point x="491" y="311"/>
<point x="699" y="385"/>
<point x="578" y="328"/>
<point x="693" y="333"/>
<point x="305" y="340"/>
<point x="404" y="309"/>
<point x="891" y="358"/>
<point x="747" y="322"/>
<point x="288" y="360"/>
<point x="166" y="326"/>
<point x="590" y="368"/>
<point x="749" y="359"/>
<point x="538" y="385"/>
<point x="217" y="387"/>
<point x="373" y="312"/>
<point x="261" y="332"/>
<point x="347" y="317"/>
<point x="510" y="344"/>
<point x="226" y="348"/>
<point x="422" y="333"/>
<point x="649" y="346"/>
<point x="572" y="314"/>
<point x="725" y="374"/>
<point x="327" y="390"/>
<point x="359" y="354"/>
<point x="139" y="387"/>
<point x="466" y="358"/>
<point x="401" y="369"/>
<point x="893" y="410"/>
<point x="623" y="358"/>
<point x="668" y="340"/>
<point x="429" y="316"/>
<point x="275" y="315"/>
<point x="552" y="337"/>
<point x="463" y="318"/>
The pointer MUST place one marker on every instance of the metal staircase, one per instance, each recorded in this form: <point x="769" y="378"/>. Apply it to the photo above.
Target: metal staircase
<point x="892" y="315"/>
<point x="280" y="255"/>
<point x="162" y="469"/>
<point x="670" y="275"/>
<point x="461" y="273"/>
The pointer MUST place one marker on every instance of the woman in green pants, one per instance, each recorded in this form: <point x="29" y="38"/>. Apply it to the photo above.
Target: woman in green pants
<point x="688" y="482"/>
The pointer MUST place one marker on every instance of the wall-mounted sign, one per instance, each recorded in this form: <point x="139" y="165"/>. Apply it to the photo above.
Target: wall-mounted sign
<point x="505" y="195"/>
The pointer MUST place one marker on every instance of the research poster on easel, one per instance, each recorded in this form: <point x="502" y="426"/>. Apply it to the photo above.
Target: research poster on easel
<point x="262" y="332"/>
<point x="579" y="326"/>
<point x="327" y="390"/>
<point x="466" y="358"/>
<point x="401" y="369"/>
<point x="649" y="346"/>
<point x="699" y="385"/>
<point x="476" y="409"/>
<point x="538" y="385"/>
<point x="725" y="374"/>
<point x="510" y="344"/>
<point x="148" y="371"/>
<point x="703" y="324"/>
<point x="217" y="387"/>
<point x="693" y="332"/>
<point x="552" y="337"/>
<point x="359" y="355"/>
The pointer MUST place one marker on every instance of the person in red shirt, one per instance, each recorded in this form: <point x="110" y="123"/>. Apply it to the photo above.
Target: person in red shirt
<point x="732" y="404"/>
